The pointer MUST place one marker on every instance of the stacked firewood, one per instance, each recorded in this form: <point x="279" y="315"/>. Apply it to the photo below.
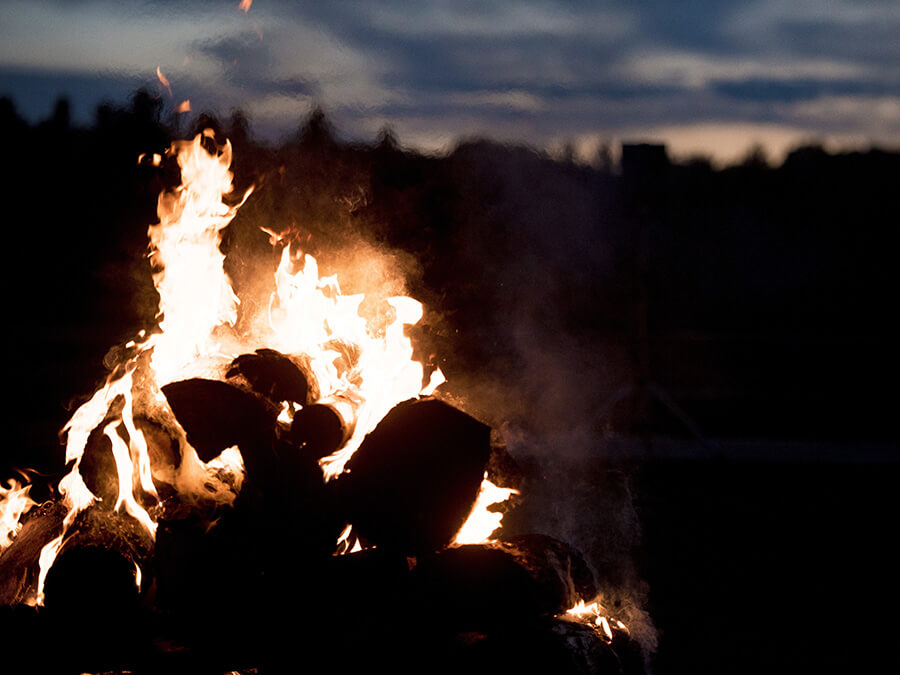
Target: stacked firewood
<point x="258" y="586"/>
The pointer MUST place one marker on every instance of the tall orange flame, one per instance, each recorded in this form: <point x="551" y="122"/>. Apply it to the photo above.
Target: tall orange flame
<point x="163" y="80"/>
<point x="196" y="337"/>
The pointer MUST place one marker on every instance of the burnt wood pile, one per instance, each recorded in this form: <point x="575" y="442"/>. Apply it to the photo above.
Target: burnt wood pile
<point x="257" y="586"/>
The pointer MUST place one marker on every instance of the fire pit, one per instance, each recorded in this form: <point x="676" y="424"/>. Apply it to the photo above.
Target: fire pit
<point x="287" y="493"/>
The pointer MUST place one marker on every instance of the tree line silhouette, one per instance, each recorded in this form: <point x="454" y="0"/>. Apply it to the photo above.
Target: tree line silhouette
<point x="641" y="296"/>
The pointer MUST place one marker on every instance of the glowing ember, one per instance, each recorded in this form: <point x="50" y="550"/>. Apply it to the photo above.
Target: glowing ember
<point x="482" y="522"/>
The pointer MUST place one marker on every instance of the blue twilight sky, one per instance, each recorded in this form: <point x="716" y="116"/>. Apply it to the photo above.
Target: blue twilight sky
<point x="707" y="76"/>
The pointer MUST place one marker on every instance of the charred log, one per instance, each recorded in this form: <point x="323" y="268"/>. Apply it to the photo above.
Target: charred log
<point x="276" y="376"/>
<point x="321" y="429"/>
<point x="374" y="581"/>
<point x="555" y="563"/>
<point x="217" y="415"/>
<point x="486" y="586"/>
<point x="297" y="500"/>
<point x="19" y="561"/>
<point x="93" y="610"/>
<point x="97" y="465"/>
<point x="112" y="530"/>
<point x="164" y="451"/>
<point x="92" y="582"/>
<point x="93" y="603"/>
<point x="209" y="581"/>
<point x="548" y="646"/>
<point x="502" y="468"/>
<point x="413" y="480"/>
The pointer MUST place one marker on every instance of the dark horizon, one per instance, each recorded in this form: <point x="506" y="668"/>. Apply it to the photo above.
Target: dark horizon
<point x="693" y="365"/>
<point x="713" y="298"/>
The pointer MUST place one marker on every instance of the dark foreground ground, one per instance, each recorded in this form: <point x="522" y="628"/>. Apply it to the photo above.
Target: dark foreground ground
<point x="761" y="567"/>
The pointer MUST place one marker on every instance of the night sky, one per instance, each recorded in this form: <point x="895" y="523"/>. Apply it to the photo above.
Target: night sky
<point x="706" y="76"/>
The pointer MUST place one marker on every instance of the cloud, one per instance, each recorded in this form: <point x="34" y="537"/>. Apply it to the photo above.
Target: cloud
<point x="858" y="31"/>
<point x="499" y="19"/>
<point x="879" y="115"/>
<point x="98" y="37"/>
<point x="697" y="70"/>
<point x="534" y="70"/>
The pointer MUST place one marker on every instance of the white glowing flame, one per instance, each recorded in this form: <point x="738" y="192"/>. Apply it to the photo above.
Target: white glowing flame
<point x="195" y="294"/>
<point x="436" y="380"/>
<point x="195" y="299"/>
<point x="596" y="614"/>
<point x="15" y="501"/>
<point x="308" y="313"/>
<point x="197" y="312"/>
<point x="481" y="522"/>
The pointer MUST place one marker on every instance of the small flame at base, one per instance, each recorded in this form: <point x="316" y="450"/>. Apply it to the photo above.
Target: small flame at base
<point x="595" y="614"/>
<point x="482" y="522"/>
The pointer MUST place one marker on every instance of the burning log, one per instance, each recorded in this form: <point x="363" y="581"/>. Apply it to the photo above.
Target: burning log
<point x="115" y="531"/>
<point x="276" y="376"/>
<point x="555" y="562"/>
<point x="502" y="469"/>
<point x="93" y="611"/>
<point x="92" y="582"/>
<point x="322" y="428"/>
<point x="546" y="646"/>
<point x="218" y="415"/>
<point x="209" y="581"/>
<point x="92" y="591"/>
<point x="373" y="580"/>
<point x="19" y="561"/>
<point x="413" y="480"/>
<point x="485" y="586"/>
<point x="164" y="451"/>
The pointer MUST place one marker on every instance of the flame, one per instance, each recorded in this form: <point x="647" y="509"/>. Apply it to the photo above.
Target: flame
<point x="365" y="369"/>
<point x="15" y="501"/>
<point x="155" y="158"/>
<point x="195" y="294"/>
<point x="245" y="5"/>
<point x="195" y="299"/>
<point x="163" y="80"/>
<point x="436" y="380"/>
<point x="343" y="545"/>
<point x="184" y="106"/>
<point x="482" y="522"/>
<point x="595" y="614"/>
<point x="309" y="315"/>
